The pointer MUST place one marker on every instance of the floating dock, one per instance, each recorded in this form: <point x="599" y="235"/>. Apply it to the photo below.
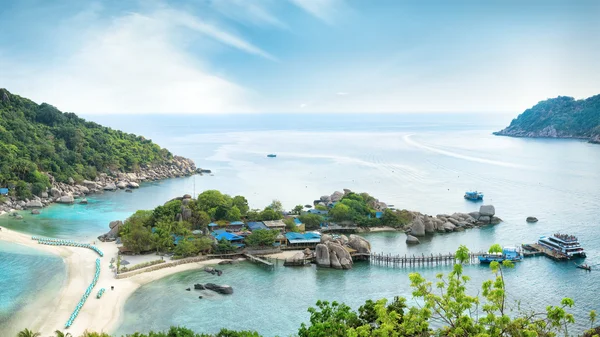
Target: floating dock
<point x="535" y="249"/>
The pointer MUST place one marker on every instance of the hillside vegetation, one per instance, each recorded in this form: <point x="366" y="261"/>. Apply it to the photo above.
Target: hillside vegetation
<point x="561" y="117"/>
<point x="40" y="138"/>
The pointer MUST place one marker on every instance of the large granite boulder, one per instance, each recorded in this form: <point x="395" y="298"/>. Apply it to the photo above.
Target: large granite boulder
<point x="115" y="227"/>
<point x="417" y="228"/>
<point x="89" y="184"/>
<point x="122" y="185"/>
<point x="429" y="225"/>
<point x="199" y="286"/>
<point x="487" y="210"/>
<point x="412" y="240"/>
<point x="132" y="184"/>
<point x="322" y="255"/>
<point x="55" y="192"/>
<point x="325" y="238"/>
<point x="110" y="187"/>
<point x="336" y="196"/>
<point x="83" y="189"/>
<point x="485" y="219"/>
<point x="221" y="289"/>
<point x="34" y="204"/>
<point x="35" y="211"/>
<point x="66" y="199"/>
<point x="449" y="226"/>
<point x="475" y="215"/>
<point x="339" y="256"/>
<point x="83" y="201"/>
<point x="531" y="219"/>
<point x="360" y="244"/>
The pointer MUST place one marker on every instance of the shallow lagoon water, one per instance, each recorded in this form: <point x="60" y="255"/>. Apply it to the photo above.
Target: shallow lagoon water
<point x="415" y="165"/>
<point x="28" y="278"/>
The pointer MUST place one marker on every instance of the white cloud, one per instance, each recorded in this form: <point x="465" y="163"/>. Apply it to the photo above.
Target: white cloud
<point x="131" y="66"/>
<point x="303" y="105"/>
<point x="192" y="22"/>
<point x="325" y="10"/>
<point x="341" y="93"/>
<point x="253" y="12"/>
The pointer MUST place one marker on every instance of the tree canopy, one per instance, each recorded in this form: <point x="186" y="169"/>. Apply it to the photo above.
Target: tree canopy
<point x="39" y="138"/>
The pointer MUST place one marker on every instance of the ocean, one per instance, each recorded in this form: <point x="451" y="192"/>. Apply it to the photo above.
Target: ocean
<point x="418" y="162"/>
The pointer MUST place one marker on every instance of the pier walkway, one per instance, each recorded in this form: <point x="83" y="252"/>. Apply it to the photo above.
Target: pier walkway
<point x="256" y="259"/>
<point x="418" y="261"/>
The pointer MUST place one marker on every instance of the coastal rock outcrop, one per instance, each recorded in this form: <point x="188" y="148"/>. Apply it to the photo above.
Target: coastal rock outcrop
<point x="221" y="289"/>
<point x="531" y="219"/>
<point x="418" y="227"/>
<point x="423" y="224"/>
<point x="35" y="211"/>
<point x="335" y="252"/>
<point x="110" y="187"/>
<point x="322" y="255"/>
<point x="115" y="227"/>
<point x="199" y="286"/>
<point x="66" y="199"/>
<point x="34" y="204"/>
<point x="412" y="240"/>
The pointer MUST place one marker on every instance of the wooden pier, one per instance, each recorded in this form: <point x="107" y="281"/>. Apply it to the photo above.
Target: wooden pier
<point x="418" y="261"/>
<point x="535" y="249"/>
<point x="256" y="259"/>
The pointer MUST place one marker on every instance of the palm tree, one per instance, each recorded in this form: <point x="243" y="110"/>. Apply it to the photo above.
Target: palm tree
<point x="28" y="333"/>
<point x="62" y="334"/>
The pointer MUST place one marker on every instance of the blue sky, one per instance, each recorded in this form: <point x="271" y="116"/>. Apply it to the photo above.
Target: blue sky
<point x="295" y="56"/>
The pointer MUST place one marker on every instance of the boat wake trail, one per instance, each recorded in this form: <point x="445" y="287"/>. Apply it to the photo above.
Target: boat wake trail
<point x="408" y="139"/>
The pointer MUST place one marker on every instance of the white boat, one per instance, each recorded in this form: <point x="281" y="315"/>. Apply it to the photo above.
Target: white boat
<point x="563" y="243"/>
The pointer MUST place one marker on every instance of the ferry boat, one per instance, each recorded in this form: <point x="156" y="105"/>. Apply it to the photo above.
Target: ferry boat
<point x="473" y="195"/>
<point x="508" y="253"/>
<point x="271" y="155"/>
<point x="565" y="244"/>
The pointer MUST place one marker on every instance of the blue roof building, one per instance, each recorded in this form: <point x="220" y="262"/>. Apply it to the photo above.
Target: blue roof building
<point x="222" y="234"/>
<point x="236" y="223"/>
<point x="378" y="215"/>
<point x="3" y="191"/>
<point x="256" y="225"/>
<point x="305" y="239"/>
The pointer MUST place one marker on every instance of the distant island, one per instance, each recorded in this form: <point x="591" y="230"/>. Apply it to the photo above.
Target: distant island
<point x="50" y="156"/>
<point x="561" y="117"/>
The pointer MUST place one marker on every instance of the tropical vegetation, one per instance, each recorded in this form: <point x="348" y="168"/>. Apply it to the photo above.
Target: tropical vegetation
<point x="38" y="138"/>
<point x="171" y="227"/>
<point x="567" y="116"/>
<point x="445" y="308"/>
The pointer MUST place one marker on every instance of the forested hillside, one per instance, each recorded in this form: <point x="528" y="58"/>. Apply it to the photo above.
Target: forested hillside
<point x="561" y="117"/>
<point x="39" y="138"/>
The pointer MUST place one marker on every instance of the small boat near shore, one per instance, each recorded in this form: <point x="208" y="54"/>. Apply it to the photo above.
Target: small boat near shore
<point x="271" y="155"/>
<point x="512" y="254"/>
<point x="583" y="266"/>
<point x="473" y="195"/>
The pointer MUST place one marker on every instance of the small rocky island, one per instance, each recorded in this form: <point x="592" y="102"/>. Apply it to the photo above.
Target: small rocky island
<point x="561" y="117"/>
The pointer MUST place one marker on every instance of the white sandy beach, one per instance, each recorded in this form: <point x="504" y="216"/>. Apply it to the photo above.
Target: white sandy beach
<point x="101" y="315"/>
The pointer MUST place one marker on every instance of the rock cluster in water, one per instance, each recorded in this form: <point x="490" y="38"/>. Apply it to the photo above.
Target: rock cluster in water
<point x="66" y="193"/>
<point x="332" y="253"/>
<point x="423" y="224"/>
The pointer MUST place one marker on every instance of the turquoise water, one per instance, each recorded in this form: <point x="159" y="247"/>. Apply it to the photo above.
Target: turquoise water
<point x="417" y="162"/>
<point x="25" y="274"/>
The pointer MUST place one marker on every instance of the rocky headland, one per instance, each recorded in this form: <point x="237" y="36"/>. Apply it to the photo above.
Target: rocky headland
<point x="561" y="117"/>
<point x="71" y="192"/>
<point x="423" y="224"/>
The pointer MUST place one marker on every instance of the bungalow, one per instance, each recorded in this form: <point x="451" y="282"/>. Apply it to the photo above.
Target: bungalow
<point x="221" y="234"/>
<point x="254" y="225"/>
<point x="309" y="239"/>
<point x="235" y="226"/>
<point x="213" y="226"/>
<point x="275" y="224"/>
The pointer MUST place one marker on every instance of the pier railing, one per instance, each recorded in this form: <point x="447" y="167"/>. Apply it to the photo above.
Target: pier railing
<point x="418" y="261"/>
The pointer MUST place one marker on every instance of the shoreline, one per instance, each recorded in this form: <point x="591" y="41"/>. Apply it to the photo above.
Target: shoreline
<point x="99" y="315"/>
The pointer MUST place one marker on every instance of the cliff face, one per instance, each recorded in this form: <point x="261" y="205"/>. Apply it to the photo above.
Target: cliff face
<point x="561" y="117"/>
